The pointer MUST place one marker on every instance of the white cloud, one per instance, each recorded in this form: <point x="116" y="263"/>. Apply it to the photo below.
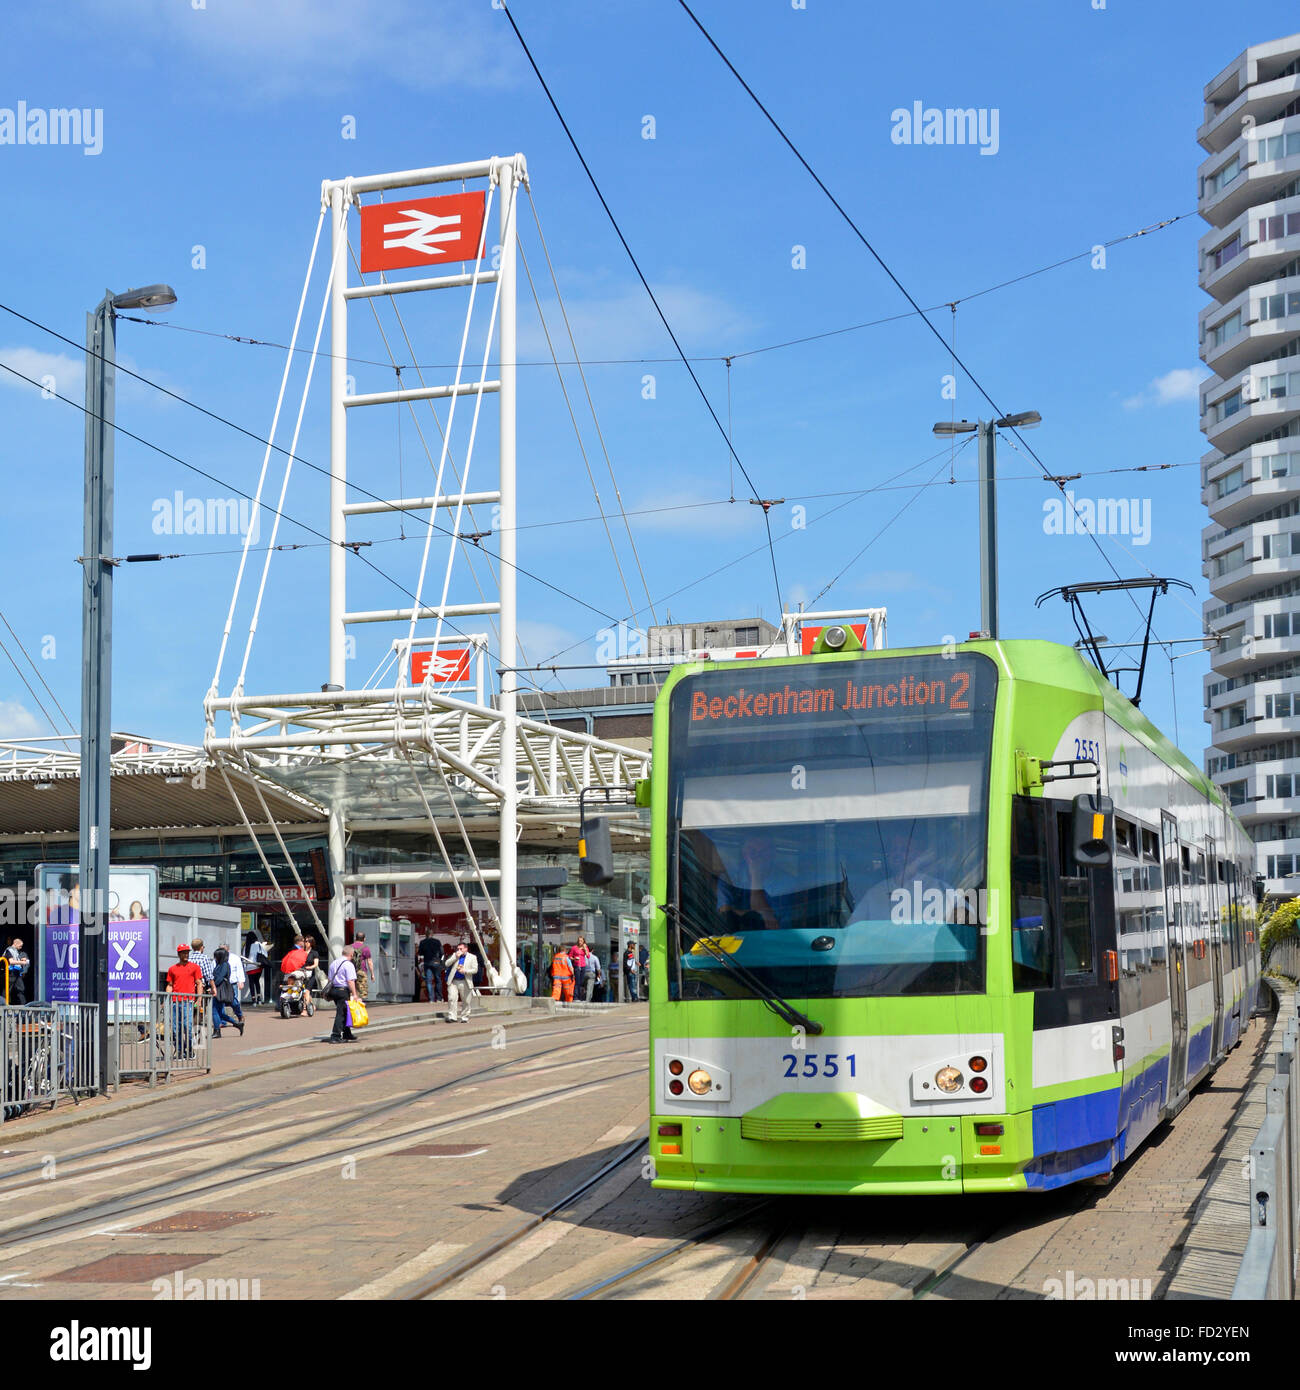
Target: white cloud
<point x="65" y="376"/>
<point x="1182" y="384"/>
<point x="275" y="48"/>
<point x="56" y="372"/>
<point x="624" y="324"/>
<point x="17" y="722"/>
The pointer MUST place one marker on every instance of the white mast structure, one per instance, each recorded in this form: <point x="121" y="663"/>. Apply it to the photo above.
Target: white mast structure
<point x="489" y="753"/>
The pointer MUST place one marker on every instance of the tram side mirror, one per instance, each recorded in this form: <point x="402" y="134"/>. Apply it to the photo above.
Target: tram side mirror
<point x="1094" y="830"/>
<point x="1260" y="884"/>
<point x="596" y="853"/>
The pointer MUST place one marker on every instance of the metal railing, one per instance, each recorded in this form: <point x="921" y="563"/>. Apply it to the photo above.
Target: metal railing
<point x="156" y="1035"/>
<point x="1268" y="1267"/>
<point x="46" y="1051"/>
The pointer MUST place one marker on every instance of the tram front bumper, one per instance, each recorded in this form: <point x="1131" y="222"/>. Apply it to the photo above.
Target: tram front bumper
<point x="937" y="1155"/>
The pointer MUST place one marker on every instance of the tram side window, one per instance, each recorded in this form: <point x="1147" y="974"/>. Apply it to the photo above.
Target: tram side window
<point x="1078" y="953"/>
<point x="1134" y="952"/>
<point x="1032" y="929"/>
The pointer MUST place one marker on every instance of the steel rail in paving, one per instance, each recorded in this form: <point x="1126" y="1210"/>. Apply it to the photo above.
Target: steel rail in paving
<point x="236" y="1110"/>
<point x="674" y="1251"/>
<point x="157" y="1194"/>
<point x="462" y="1265"/>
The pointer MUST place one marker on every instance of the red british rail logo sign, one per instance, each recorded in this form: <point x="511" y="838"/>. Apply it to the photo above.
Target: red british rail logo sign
<point x="421" y="231"/>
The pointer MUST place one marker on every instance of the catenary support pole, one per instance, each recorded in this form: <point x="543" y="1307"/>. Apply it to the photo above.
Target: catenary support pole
<point x="96" y="672"/>
<point x="506" y="903"/>
<point x="338" y="524"/>
<point x="988" y="529"/>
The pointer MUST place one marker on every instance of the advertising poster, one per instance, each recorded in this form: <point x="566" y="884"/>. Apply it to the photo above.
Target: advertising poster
<point x="132" y="938"/>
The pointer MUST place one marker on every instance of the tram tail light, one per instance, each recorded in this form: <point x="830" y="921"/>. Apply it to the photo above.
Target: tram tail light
<point x="979" y="1085"/>
<point x="978" y="1064"/>
<point x="988" y="1131"/>
<point x="675" y="1067"/>
<point x="674" y="1131"/>
<point x="1112" y="966"/>
<point x="675" y="1088"/>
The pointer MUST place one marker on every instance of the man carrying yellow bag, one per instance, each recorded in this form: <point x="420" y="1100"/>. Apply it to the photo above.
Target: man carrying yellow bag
<point x="342" y="987"/>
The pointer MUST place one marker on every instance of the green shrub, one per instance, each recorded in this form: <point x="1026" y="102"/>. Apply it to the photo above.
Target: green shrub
<point x="1280" y="925"/>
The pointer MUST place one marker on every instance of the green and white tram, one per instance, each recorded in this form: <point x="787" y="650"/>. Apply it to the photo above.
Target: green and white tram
<point x="930" y="920"/>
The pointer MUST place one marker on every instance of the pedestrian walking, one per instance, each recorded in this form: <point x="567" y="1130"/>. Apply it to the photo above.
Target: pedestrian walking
<point x="204" y="961"/>
<point x="562" y="977"/>
<point x="431" y="966"/>
<point x="224" y="995"/>
<point x="341" y="984"/>
<point x="594" y="976"/>
<point x="461" y="969"/>
<point x="631" y="970"/>
<point x="580" y="956"/>
<point x="185" y="985"/>
<point x="19" y="964"/>
<point x="255" y="965"/>
<point x="364" y="963"/>
<point x="315" y="971"/>
<point x="238" y="979"/>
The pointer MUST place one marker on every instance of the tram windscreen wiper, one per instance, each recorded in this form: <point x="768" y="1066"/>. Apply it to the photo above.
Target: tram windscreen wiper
<point x="779" y="1006"/>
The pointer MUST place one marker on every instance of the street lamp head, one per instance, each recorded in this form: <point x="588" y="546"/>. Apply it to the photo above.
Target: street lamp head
<point x="1026" y="420"/>
<point x="946" y="427"/>
<point x="150" y="297"/>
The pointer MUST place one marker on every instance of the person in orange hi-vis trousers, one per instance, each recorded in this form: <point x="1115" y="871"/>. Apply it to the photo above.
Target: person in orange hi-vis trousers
<point x="562" y="977"/>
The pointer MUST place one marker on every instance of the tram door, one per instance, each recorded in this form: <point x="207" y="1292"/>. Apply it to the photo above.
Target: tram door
<point x="1172" y="870"/>
<point x="1214" y="931"/>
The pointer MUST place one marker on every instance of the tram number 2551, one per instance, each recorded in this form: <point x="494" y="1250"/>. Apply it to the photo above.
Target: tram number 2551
<point x="820" y="1064"/>
<point x="1087" y="748"/>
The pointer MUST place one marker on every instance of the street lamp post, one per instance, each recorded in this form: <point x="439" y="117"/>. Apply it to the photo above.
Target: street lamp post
<point x="97" y="651"/>
<point x="989" y="503"/>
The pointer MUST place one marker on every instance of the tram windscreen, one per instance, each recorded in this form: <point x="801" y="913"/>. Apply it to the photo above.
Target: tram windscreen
<point x="827" y="827"/>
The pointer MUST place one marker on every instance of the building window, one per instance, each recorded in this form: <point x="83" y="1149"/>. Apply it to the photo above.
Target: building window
<point x="1278" y="306"/>
<point x="1277" y="147"/>
<point x="1229" y="560"/>
<point x="1277" y="706"/>
<point x="1235" y="792"/>
<point x="1222" y="177"/>
<point x="1226" y="328"/>
<point x="1229" y="251"/>
<point x="1275" y="228"/>
<point x="1278" y="785"/>
<point x="1227" y="407"/>
<point x="1230" y="481"/>
<point x="1277" y="625"/>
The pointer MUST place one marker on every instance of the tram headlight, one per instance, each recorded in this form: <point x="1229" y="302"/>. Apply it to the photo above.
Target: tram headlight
<point x="700" y="1082"/>
<point x="835" y="638"/>
<point x="948" y="1080"/>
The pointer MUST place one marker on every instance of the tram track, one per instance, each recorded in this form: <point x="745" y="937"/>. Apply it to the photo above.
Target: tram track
<point x="153" y="1195"/>
<point x="189" y="1126"/>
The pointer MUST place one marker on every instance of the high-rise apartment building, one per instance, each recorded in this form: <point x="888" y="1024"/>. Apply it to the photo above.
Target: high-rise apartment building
<point x="1250" y="413"/>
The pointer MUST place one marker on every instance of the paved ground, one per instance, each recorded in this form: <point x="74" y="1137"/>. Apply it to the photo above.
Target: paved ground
<point x="421" y="1162"/>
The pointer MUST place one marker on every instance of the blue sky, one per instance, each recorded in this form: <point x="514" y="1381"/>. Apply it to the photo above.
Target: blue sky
<point x="218" y="124"/>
